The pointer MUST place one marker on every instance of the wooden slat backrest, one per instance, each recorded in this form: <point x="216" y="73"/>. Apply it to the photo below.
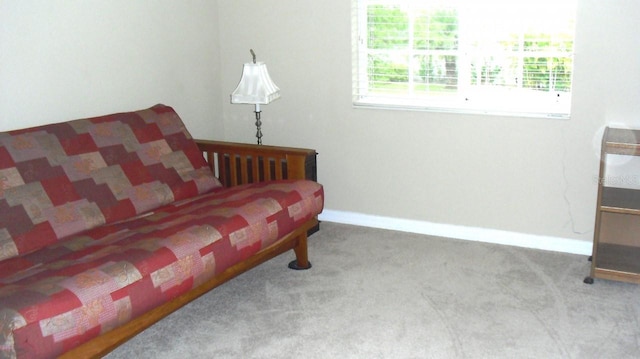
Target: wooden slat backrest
<point x="237" y="164"/>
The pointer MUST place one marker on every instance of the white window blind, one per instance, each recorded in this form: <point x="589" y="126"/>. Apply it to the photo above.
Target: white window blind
<point x="494" y="56"/>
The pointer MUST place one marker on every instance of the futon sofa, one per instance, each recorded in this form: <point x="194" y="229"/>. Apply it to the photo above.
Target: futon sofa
<point x="108" y="224"/>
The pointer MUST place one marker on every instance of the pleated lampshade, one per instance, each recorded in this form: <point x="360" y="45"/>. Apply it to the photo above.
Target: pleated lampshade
<point x="256" y="86"/>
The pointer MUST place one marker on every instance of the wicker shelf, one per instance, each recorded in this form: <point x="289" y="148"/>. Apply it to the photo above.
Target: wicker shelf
<point x="620" y="141"/>
<point x="620" y="258"/>
<point x="616" y="241"/>
<point x="620" y="200"/>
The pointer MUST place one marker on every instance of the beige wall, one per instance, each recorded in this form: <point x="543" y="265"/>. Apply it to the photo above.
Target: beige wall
<point x="64" y="59"/>
<point x="525" y="175"/>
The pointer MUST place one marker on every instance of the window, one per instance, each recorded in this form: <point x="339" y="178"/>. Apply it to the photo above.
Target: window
<point x="498" y="56"/>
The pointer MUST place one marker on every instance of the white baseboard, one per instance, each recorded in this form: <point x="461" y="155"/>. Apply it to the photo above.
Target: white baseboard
<point x="548" y="243"/>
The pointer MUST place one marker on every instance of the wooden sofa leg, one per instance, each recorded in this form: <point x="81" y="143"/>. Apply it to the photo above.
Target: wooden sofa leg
<point x="302" y="259"/>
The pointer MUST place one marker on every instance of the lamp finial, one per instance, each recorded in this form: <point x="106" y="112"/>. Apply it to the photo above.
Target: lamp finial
<point x="253" y="54"/>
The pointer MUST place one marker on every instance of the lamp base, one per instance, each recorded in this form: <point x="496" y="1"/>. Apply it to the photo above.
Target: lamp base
<point x="258" y="125"/>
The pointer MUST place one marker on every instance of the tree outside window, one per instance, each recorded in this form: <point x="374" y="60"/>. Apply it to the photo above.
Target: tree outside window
<point x="465" y="55"/>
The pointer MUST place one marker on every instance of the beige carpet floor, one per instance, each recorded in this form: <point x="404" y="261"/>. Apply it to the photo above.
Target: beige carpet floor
<point x="381" y="294"/>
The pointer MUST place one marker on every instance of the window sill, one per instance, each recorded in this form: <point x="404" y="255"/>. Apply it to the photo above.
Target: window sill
<point x="460" y="110"/>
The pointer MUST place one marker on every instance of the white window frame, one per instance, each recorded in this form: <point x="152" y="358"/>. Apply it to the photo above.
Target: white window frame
<point x="510" y="101"/>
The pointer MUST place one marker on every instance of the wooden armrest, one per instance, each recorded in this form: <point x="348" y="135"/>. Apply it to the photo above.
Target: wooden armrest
<point x="240" y="163"/>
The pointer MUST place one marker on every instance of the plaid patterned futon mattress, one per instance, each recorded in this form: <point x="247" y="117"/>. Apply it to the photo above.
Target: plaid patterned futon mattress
<point x="60" y="296"/>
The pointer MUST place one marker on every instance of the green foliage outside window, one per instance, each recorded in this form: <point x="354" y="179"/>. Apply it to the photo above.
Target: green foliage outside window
<point x="388" y="27"/>
<point x="434" y="45"/>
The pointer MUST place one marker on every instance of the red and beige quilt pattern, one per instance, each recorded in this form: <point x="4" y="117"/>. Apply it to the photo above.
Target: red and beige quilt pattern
<point x="102" y="219"/>
<point x="60" y="179"/>
<point x="59" y="296"/>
